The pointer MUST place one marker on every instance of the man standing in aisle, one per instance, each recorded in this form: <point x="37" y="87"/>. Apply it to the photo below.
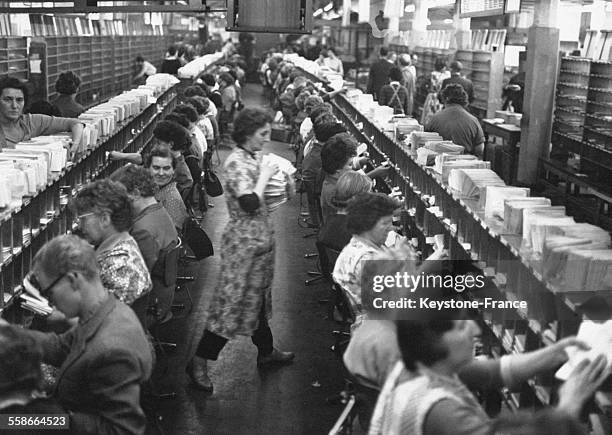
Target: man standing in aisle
<point x="415" y="61"/>
<point x="457" y="78"/>
<point x="408" y="71"/>
<point x="408" y="79"/>
<point x="379" y="72"/>
<point x="455" y="123"/>
<point x="145" y="69"/>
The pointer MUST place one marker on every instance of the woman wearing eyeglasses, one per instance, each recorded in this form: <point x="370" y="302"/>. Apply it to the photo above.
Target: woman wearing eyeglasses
<point x="102" y="361"/>
<point x="104" y="214"/>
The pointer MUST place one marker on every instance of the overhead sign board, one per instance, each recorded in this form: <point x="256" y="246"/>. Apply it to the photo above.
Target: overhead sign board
<point x="481" y="8"/>
<point x="269" y="16"/>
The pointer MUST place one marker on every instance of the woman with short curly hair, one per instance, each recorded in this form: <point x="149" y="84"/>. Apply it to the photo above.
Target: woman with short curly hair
<point x="229" y="97"/>
<point x="161" y="162"/>
<point x="103" y="212"/>
<point x="206" y="119"/>
<point x="67" y="85"/>
<point x="369" y="219"/>
<point x="242" y="302"/>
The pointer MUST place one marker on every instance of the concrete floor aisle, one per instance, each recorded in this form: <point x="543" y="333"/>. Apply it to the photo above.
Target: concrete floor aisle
<point x="283" y="400"/>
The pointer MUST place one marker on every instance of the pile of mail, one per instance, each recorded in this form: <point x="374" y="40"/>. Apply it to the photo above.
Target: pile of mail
<point x="27" y="168"/>
<point x="471" y="182"/>
<point x="197" y="66"/>
<point x="418" y="139"/>
<point x="513" y="212"/>
<point x="405" y="125"/>
<point x="162" y="82"/>
<point x="275" y="193"/>
<point x="33" y="301"/>
<point x="493" y="197"/>
<point x="444" y="163"/>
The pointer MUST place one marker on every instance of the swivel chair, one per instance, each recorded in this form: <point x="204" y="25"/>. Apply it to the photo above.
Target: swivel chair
<point x="147" y="307"/>
<point x="359" y="399"/>
<point x="184" y="258"/>
<point x="327" y="258"/>
<point x="342" y="301"/>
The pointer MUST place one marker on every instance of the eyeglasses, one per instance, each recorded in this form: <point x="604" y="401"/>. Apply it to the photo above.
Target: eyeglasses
<point x="32" y="280"/>
<point x="78" y="219"/>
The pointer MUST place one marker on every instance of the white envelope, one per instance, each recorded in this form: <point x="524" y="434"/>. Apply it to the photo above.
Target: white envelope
<point x="598" y="336"/>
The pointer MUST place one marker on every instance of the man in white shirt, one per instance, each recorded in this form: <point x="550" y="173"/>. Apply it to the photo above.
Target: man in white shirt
<point x="146" y="69"/>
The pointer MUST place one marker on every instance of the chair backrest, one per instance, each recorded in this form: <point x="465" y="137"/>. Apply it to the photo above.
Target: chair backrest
<point x="166" y="266"/>
<point x="171" y="264"/>
<point x="344" y="303"/>
<point x="141" y="307"/>
<point x="345" y="421"/>
<point x="366" y="397"/>
<point x="327" y="259"/>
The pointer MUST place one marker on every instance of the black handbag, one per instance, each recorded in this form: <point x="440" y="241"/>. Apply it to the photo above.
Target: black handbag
<point x="211" y="183"/>
<point x="197" y="239"/>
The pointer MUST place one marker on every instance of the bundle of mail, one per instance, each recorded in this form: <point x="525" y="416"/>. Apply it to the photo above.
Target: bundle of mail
<point x="276" y="191"/>
<point x="28" y="167"/>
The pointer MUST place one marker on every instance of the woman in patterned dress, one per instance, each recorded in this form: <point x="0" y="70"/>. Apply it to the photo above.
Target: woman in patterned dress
<point x="104" y="214"/>
<point x="242" y="303"/>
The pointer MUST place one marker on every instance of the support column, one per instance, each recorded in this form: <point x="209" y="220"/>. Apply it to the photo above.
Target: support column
<point x="419" y="24"/>
<point x="540" y="80"/>
<point x="393" y="35"/>
<point x="364" y="11"/>
<point x="462" y="36"/>
<point x="346" y="12"/>
<point x="598" y="15"/>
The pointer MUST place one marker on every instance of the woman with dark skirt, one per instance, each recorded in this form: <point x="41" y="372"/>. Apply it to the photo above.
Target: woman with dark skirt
<point x="242" y="302"/>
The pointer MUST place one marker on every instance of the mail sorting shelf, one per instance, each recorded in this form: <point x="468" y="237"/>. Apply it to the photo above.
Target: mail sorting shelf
<point x="45" y="215"/>
<point x="550" y="316"/>
<point x="104" y="63"/>
<point x="14" y="57"/>
<point x="432" y="208"/>
<point x="582" y="129"/>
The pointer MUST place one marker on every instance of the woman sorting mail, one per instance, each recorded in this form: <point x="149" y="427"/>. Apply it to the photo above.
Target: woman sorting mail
<point x="15" y="127"/>
<point x="242" y="301"/>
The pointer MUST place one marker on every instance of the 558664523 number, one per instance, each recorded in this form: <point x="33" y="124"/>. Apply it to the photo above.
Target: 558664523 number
<point x="34" y="421"/>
